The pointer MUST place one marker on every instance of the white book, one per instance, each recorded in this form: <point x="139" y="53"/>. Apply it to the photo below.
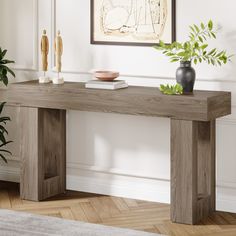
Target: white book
<point x="110" y="85"/>
<point x="113" y="82"/>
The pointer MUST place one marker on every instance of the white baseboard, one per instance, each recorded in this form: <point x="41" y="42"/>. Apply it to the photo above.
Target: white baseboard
<point x="156" y="191"/>
<point x="226" y="196"/>
<point x="130" y="187"/>
<point x="226" y="205"/>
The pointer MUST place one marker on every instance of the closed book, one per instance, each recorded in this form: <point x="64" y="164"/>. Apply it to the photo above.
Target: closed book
<point x="110" y="85"/>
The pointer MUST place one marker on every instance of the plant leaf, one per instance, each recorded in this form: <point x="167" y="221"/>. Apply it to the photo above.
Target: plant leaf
<point x="4" y="144"/>
<point x="3" y="129"/>
<point x="210" y="25"/>
<point x="4" y="159"/>
<point x="2" y="106"/>
<point x="9" y="70"/>
<point x="6" y="151"/>
<point x="2" y="54"/>
<point x="171" y="89"/>
<point x="202" y="26"/>
<point x="4" y="119"/>
<point x="196" y="28"/>
<point x="2" y="138"/>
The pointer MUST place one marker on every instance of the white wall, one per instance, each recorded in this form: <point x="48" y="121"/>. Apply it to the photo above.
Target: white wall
<point x="119" y="154"/>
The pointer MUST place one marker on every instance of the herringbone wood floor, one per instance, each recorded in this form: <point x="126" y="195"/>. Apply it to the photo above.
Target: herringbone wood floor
<point x="119" y="212"/>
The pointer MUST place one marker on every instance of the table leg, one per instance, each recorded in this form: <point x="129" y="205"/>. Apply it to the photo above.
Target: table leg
<point x="192" y="170"/>
<point x="43" y="153"/>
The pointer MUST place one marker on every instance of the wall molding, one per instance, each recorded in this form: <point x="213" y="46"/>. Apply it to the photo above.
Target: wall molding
<point x="156" y="192"/>
<point x="118" y="172"/>
<point x="217" y="80"/>
<point x="111" y="171"/>
<point x="34" y="66"/>
<point x="120" y="188"/>
<point x="226" y="196"/>
<point x="14" y="169"/>
<point x="150" y="77"/>
<point x="226" y="204"/>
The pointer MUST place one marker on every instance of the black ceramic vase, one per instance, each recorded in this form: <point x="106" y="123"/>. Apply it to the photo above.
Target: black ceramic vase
<point x="185" y="76"/>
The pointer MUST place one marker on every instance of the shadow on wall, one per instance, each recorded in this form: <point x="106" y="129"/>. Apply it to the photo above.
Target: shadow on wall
<point x="122" y="145"/>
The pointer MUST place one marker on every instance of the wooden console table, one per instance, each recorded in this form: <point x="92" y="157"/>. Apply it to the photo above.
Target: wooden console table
<point x="43" y="137"/>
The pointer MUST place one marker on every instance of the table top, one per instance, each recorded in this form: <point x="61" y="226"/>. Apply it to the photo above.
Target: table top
<point x="135" y="100"/>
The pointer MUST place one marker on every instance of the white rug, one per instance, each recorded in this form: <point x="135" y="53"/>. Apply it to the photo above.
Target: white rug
<point x="14" y="223"/>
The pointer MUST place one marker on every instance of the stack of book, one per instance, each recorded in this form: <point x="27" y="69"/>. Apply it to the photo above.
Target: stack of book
<point x="110" y="85"/>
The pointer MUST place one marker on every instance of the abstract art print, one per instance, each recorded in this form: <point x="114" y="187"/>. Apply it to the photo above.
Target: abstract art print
<point x="132" y="22"/>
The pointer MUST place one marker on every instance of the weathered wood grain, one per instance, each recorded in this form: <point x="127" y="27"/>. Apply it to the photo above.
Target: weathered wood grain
<point x="184" y="171"/>
<point x="52" y="151"/>
<point x="192" y="170"/>
<point x="43" y="152"/>
<point x="206" y="168"/>
<point x="29" y="177"/>
<point x="202" y="105"/>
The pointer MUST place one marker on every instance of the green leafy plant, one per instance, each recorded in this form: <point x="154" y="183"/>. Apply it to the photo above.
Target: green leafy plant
<point x="196" y="49"/>
<point x="4" y="69"/>
<point x="4" y="72"/>
<point x="171" y="89"/>
<point x="3" y="133"/>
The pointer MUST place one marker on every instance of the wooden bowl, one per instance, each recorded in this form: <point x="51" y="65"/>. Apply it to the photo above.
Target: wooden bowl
<point x="106" y="75"/>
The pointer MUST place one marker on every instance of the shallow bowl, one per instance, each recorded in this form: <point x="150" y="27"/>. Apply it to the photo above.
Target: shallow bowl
<point x="106" y="75"/>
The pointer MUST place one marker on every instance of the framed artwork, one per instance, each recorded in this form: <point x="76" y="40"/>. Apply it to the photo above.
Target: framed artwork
<point x="133" y="22"/>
